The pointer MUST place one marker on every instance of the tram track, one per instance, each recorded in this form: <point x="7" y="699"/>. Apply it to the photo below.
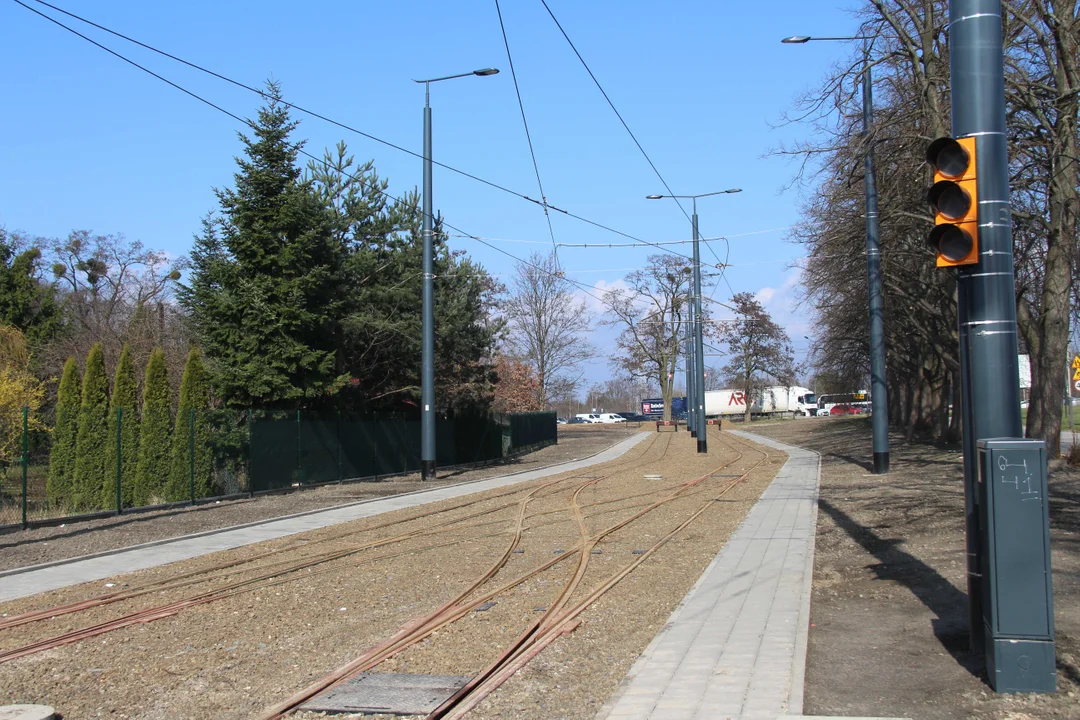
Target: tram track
<point x="559" y="618"/>
<point x="265" y="579"/>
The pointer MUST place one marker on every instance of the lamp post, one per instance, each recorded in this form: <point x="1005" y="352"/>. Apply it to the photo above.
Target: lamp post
<point x="878" y="399"/>
<point x="427" y="363"/>
<point x="697" y="319"/>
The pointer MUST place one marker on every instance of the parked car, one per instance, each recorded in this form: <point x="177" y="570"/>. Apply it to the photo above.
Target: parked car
<point x="638" y="417"/>
<point x="844" y="410"/>
<point x="611" y="418"/>
<point x="575" y="421"/>
<point x="560" y="421"/>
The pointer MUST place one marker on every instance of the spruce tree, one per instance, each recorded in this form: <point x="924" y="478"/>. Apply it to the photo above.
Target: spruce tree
<point x="194" y="396"/>
<point x="264" y="294"/>
<point x="93" y="434"/>
<point x="153" y="465"/>
<point x="125" y="398"/>
<point x="62" y="455"/>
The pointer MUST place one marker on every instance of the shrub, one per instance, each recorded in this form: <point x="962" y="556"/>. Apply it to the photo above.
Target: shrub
<point x="93" y="433"/>
<point x="153" y="464"/>
<point x="125" y="398"/>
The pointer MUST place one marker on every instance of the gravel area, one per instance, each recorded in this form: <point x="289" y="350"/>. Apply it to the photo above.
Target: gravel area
<point x="235" y="656"/>
<point x="888" y="614"/>
<point x="47" y="544"/>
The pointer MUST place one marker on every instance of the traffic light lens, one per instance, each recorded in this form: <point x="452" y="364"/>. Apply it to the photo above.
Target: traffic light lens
<point x="952" y="242"/>
<point x="949" y="199"/>
<point x="949" y="157"/>
<point x="952" y="160"/>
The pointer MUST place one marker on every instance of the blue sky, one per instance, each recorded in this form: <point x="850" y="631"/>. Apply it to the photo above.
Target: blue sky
<point x="90" y="142"/>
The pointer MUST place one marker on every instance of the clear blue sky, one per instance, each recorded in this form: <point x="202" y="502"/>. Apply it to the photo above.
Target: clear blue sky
<point x="90" y="142"/>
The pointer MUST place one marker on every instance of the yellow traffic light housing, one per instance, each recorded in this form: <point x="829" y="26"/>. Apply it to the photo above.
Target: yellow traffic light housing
<point x="955" y="200"/>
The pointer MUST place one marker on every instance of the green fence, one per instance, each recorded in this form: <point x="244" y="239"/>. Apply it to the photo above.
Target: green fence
<point x="221" y="453"/>
<point x="533" y="429"/>
<point x="298" y="448"/>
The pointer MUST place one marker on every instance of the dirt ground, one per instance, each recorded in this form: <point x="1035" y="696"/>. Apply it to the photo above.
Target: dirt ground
<point x="47" y="544"/>
<point x="232" y="657"/>
<point x="889" y="605"/>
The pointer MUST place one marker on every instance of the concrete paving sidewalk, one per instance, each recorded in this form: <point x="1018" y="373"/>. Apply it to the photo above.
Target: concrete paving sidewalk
<point x="34" y="580"/>
<point x="736" y="646"/>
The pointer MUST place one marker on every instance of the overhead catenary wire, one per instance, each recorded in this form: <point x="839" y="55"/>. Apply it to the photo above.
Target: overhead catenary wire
<point x="528" y="135"/>
<point x="614" y="109"/>
<point x="312" y="113"/>
<point x="586" y="289"/>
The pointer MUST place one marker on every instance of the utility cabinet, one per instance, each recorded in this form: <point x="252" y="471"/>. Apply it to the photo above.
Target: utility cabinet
<point x="1017" y="594"/>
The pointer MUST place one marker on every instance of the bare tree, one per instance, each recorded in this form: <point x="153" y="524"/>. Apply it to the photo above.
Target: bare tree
<point x="545" y="324"/>
<point x="651" y="311"/>
<point x="759" y="348"/>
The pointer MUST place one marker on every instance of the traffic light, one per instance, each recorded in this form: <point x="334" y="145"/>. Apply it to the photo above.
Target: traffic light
<point x="955" y="200"/>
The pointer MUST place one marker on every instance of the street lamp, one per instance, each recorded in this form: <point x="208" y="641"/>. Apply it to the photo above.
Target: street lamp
<point x="696" y="320"/>
<point x="878" y="400"/>
<point x="427" y="364"/>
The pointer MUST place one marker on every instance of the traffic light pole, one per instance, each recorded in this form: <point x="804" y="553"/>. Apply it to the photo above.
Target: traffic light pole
<point x="986" y="290"/>
<point x="879" y="419"/>
<point x="699" y="345"/>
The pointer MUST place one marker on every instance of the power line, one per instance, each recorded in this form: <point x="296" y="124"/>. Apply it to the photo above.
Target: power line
<point x="528" y="136"/>
<point x="587" y="289"/>
<point x="613" y="108"/>
<point x="293" y="106"/>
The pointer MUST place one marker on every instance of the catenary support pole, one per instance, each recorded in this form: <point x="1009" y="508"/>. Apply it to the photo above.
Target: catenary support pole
<point x="427" y="363"/>
<point x="699" y="343"/>
<point x="691" y="365"/>
<point x="878" y="398"/>
<point x="987" y="289"/>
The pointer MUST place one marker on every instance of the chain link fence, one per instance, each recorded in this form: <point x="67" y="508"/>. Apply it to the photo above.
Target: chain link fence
<point x="215" y="454"/>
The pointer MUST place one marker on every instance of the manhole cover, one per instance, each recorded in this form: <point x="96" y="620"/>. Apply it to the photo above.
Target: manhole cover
<point x="388" y="693"/>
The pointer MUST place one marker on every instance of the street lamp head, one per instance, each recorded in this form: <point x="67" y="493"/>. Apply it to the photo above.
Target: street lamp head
<point x="486" y="71"/>
<point x="654" y="197"/>
<point x="796" y="39"/>
<point x="733" y="190"/>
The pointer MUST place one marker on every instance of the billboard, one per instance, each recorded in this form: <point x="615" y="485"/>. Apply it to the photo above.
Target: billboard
<point x="655" y="406"/>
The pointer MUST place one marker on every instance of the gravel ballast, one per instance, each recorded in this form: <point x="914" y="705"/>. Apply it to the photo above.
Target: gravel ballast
<point x="235" y="656"/>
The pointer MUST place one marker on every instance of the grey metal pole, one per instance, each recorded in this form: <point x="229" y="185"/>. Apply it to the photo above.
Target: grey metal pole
<point x="987" y="290"/>
<point x="427" y="364"/>
<point x="878" y="398"/>
<point x="699" y="343"/>
<point x="691" y="364"/>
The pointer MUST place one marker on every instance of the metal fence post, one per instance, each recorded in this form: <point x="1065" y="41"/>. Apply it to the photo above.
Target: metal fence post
<point x="250" y="483"/>
<point x="337" y="437"/>
<point x="191" y="452"/>
<point x="25" y="460"/>
<point x="299" y="452"/>
<point x="119" y="457"/>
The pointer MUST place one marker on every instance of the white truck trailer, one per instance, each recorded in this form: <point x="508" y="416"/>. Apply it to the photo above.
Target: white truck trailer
<point x="776" y="400"/>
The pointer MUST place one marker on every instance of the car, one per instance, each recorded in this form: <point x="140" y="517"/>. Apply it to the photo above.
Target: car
<point x="611" y="418"/>
<point x="589" y="417"/>
<point x="560" y="421"/>
<point x="638" y="417"/>
<point x="843" y="410"/>
<point x="575" y="421"/>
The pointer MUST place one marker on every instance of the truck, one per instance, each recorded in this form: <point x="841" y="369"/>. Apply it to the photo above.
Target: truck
<point x="775" y="400"/>
<point x="655" y="406"/>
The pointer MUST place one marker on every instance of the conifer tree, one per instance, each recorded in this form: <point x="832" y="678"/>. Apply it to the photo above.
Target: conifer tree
<point x="265" y="285"/>
<point x="125" y="399"/>
<point x="194" y="396"/>
<point x="93" y="434"/>
<point x="62" y="456"/>
<point x="153" y="465"/>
